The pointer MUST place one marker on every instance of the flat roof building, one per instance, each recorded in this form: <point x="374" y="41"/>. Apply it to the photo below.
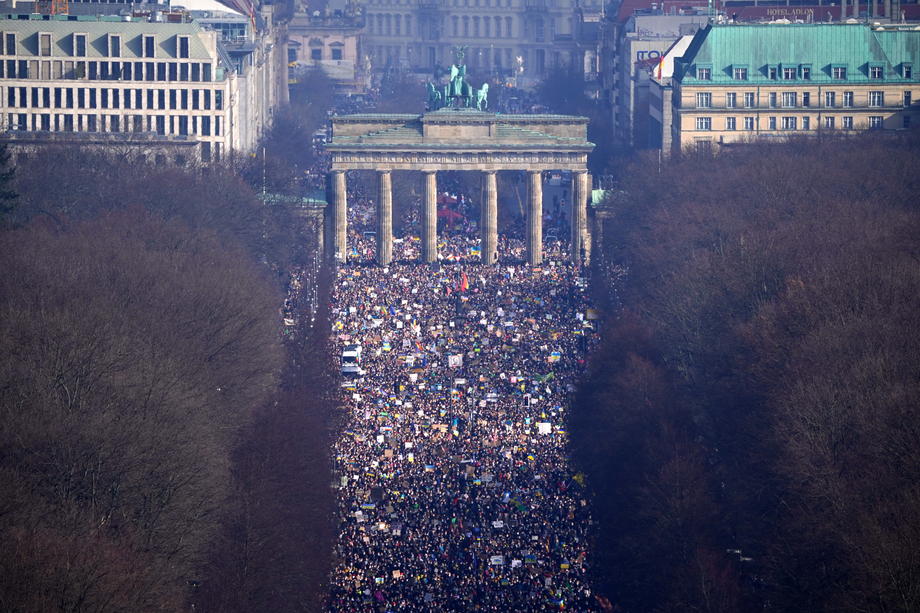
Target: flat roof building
<point x="115" y="79"/>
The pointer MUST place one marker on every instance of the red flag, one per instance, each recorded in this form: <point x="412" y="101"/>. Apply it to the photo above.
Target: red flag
<point x="464" y="283"/>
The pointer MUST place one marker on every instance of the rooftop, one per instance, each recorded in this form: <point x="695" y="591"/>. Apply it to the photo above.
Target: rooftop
<point x="820" y="46"/>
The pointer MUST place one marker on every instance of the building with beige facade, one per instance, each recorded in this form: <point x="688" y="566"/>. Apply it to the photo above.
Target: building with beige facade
<point x="110" y="79"/>
<point x="737" y="83"/>
<point x="331" y="41"/>
<point x="520" y="39"/>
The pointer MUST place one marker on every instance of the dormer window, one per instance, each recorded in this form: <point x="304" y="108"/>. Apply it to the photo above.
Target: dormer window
<point x="788" y="73"/>
<point x="149" y="46"/>
<point x="704" y="73"/>
<point x="876" y="72"/>
<point x="805" y="72"/>
<point x="79" y="45"/>
<point x="44" y="44"/>
<point x="839" y="73"/>
<point x="740" y="73"/>
<point x="183" y="47"/>
<point x="907" y="71"/>
<point x="114" y="45"/>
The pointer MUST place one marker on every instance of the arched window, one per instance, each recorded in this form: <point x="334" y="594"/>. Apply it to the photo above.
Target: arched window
<point x="498" y="27"/>
<point x="476" y="26"/>
<point x="466" y="25"/>
<point x="398" y="25"/>
<point x="455" y="26"/>
<point x="408" y="25"/>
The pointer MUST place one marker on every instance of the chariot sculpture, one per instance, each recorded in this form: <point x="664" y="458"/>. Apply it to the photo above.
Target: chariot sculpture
<point x="458" y="93"/>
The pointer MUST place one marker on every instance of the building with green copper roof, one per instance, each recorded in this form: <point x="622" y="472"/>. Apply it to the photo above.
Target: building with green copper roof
<point x="738" y="82"/>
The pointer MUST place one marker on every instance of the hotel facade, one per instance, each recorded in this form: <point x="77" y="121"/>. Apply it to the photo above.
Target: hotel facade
<point x="737" y="83"/>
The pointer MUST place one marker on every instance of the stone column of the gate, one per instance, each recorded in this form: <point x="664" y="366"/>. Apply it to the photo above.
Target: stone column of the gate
<point x="489" y="219"/>
<point x="340" y="217"/>
<point x="579" y="217"/>
<point x="430" y="218"/>
<point x="535" y="218"/>
<point x="384" y="217"/>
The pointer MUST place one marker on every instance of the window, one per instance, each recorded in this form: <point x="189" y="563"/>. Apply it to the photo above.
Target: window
<point x="839" y="73"/>
<point x="830" y="99"/>
<point x="44" y="44"/>
<point x="183" y="47"/>
<point x="704" y="74"/>
<point x="847" y="123"/>
<point x="789" y="99"/>
<point x="848" y="99"/>
<point x="789" y="123"/>
<point x="10" y="43"/>
<point x="454" y="25"/>
<point x="731" y="100"/>
<point x="806" y="123"/>
<point x="704" y="123"/>
<point x="749" y="123"/>
<point x="704" y="100"/>
<point x="907" y="99"/>
<point x="875" y="122"/>
<point x="749" y="101"/>
<point x="772" y="99"/>
<point x="740" y="74"/>
<point x="876" y="98"/>
<point x="114" y="45"/>
<point x="788" y="74"/>
<point x="337" y="53"/>
<point x="149" y="46"/>
<point x="772" y="123"/>
<point x="876" y="73"/>
<point x="730" y="123"/>
<point x="805" y="71"/>
<point x="829" y="123"/>
<point x="772" y="73"/>
<point x="806" y="98"/>
<point x="79" y="45"/>
<point x="316" y="53"/>
<point x="908" y="71"/>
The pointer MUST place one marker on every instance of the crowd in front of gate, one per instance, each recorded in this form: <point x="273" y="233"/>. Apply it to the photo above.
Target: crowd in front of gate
<point x="455" y="492"/>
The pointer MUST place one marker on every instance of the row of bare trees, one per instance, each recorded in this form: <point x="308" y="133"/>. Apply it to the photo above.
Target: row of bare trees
<point x="751" y="419"/>
<point x="155" y="432"/>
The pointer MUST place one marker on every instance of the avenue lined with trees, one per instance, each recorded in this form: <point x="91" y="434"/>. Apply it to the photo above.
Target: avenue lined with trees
<point x="748" y="424"/>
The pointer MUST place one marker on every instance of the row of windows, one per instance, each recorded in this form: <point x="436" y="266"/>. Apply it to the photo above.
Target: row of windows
<point x="873" y="98"/>
<point x="75" y="44"/>
<point x="105" y="98"/>
<point x="182" y="125"/>
<point x="483" y="3"/>
<point x="316" y="53"/>
<point x="802" y="72"/>
<point x="105" y="71"/>
<point x="481" y="26"/>
<point x="476" y="26"/>
<point x="793" y="123"/>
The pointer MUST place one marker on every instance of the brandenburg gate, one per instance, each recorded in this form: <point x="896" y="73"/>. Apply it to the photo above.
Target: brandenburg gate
<point x="460" y="139"/>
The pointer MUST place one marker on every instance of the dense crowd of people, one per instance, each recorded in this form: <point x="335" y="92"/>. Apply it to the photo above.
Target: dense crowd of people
<point x="455" y="492"/>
